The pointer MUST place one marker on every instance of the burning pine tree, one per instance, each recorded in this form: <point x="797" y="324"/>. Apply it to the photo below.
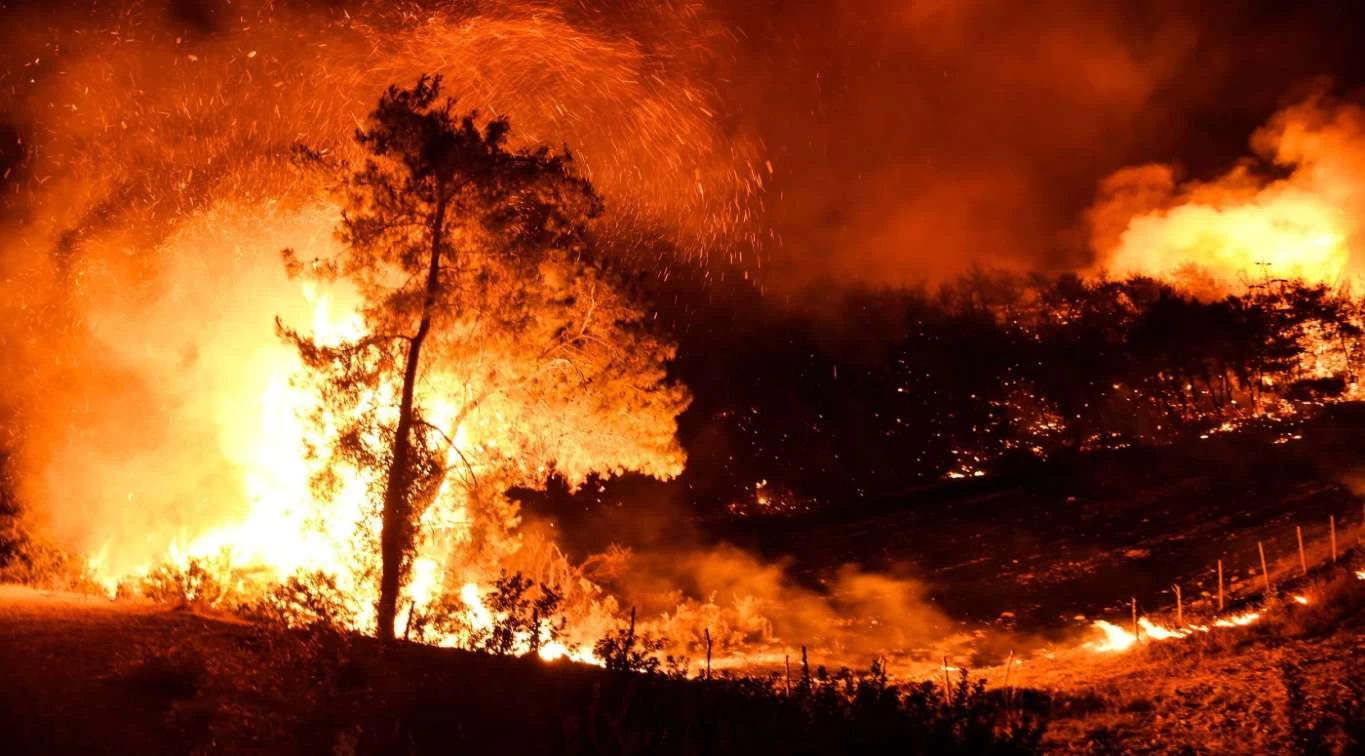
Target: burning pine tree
<point x="495" y="350"/>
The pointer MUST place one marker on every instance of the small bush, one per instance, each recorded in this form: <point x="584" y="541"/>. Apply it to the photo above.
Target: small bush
<point x="174" y="674"/>
<point x="623" y="650"/>
<point x="310" y="601"/>
<point x="525" y="617"/>
<point x="199" y="584"/>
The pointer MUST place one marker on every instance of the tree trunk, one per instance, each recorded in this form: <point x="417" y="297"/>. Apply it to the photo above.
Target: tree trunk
<point x="395" y="537"/>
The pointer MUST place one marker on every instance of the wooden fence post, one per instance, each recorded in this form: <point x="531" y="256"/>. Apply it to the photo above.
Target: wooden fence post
<point x="1009" y="664"/>
<point x="1265" y="573"/>
<point x="1303" y="561"/>
<point x="947" y="687"/>
<point x="1220" y="585"/>
<point x="708" y="653"/>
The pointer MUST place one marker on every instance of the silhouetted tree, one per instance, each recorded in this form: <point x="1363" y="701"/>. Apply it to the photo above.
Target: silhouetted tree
<point x="485" y="317"/>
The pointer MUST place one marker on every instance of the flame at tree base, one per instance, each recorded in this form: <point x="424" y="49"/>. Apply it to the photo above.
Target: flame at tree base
<point x="243" y="405"/>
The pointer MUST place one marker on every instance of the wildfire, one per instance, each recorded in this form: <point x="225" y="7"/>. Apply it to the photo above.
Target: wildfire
<point x="1282" y="237"/>
<point x="160" y="202"/>
<point x="251" y="418"/>
<point x="285" y="529"/>
<point x="198" y="443"/>
<point x="288" y="529"/>
<point x="1243" y="229"/>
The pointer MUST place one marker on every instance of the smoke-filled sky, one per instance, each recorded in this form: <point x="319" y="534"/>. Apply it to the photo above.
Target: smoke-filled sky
<point x="871" y="141"/>
<point x="914" y="138"/>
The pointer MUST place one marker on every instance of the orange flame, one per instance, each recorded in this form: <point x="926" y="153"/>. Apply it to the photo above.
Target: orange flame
<point x="1242" y="228"/>
<point x="1117" y="639"/>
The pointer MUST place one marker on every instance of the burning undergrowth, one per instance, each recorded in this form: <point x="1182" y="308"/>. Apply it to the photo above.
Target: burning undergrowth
<point x="748" y="612"/>
<point x="978" y="377"/>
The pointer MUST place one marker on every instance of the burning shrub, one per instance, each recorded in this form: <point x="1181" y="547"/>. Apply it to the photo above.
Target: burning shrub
<point x="28" y="558"/>
<point x="624" y="650"/>
<point x="199" y="583"/>
<point x="519" y="616"/>
<point x="31" y="560"/>
<point x="446" y="617"/>
<point x="311" y="601"/>
<point x="525" y="617"/>
<point x="12" y="535"/>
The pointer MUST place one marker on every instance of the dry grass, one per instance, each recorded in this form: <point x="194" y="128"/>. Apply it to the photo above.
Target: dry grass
<point x="1293" y="682"/>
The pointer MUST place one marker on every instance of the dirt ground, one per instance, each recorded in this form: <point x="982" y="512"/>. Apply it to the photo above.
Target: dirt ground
<point x="1187" y="700"/>
<point x="75" y="680"/>
<point x="61" y="657"/>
